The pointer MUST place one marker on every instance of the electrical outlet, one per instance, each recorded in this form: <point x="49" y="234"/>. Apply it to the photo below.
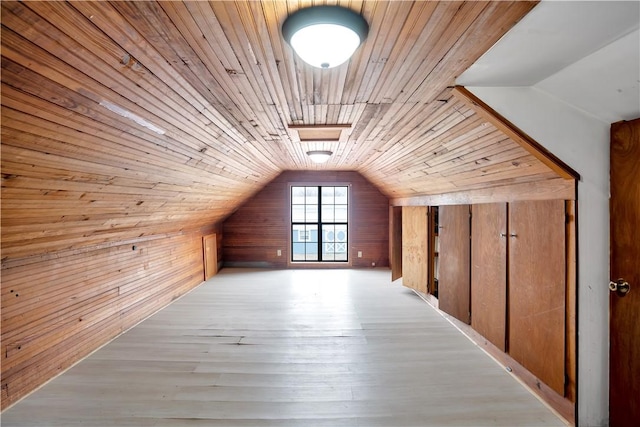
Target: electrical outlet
<point x="373" y="264"/>
<point x="359" y="254"/>
<point x="279" y="252"/>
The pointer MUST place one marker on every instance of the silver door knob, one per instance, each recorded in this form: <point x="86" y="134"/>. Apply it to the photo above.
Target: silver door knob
<point x="620" y="286"/>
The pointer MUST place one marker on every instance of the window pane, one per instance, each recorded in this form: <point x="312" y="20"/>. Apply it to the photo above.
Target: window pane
<point x="341" y="242"/>
<point x="327" y="213"/>
<point x="341" y="213"/>
<point x="311" y="213"/>
<point x="298" y="252"/>
<point x="299" y="234"/>
<point x="312" y="233"/>
<point x="340" y="256"/>
<point x="341" y="195"/>
<point x="328" y="245"/>
<point x="328" y="233"/>
<point x="312" y="195"/>
<point x="297" y="213"/>
<point x="327" y="252"/>
<point x="297" y="195"/>
<point x="327" y="195"/>
<point x="312" y="252"/>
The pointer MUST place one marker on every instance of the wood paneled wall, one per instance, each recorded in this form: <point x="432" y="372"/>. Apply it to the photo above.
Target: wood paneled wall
<point x="59" y="307"/>
<point x="256" y="231"/>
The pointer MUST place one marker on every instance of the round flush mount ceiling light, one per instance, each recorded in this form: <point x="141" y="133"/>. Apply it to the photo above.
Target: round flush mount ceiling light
<point x="325" y="36"/>
<point x="319" y="156"/>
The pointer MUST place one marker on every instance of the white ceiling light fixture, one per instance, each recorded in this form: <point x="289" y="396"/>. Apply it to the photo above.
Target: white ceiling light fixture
<point x="319" y="156"/>
<point x="325" y="36"/>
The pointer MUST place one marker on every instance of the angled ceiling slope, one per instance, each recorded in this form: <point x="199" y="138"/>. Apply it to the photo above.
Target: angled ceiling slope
<point x="123" y="119"/>
<point x="586" y="53"/>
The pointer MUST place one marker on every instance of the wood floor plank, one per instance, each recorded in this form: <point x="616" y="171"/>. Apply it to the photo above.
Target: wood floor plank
<point x="288" y="348"/>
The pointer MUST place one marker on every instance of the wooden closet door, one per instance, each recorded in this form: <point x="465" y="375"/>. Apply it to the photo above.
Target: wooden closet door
<point x="489" y="272"/>
<point x="414" y="247"/>
<point x="210" y="248"/>
<point x="536" y="289"/>
<point x="395" y="241"/>
<point x="454" y="286"/>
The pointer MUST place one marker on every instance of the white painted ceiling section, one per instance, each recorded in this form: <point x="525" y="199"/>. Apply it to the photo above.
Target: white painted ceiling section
<point x="566" y="48"/>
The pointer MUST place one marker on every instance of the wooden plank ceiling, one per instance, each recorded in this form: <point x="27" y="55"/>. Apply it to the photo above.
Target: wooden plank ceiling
<point x="121" y="119"/>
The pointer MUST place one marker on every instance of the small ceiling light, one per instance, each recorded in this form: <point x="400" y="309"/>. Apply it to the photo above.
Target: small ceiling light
<point x="319" y="156"/>
<point x="325" y="36"/>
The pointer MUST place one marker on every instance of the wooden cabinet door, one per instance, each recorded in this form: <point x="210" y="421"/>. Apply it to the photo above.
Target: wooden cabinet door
<point x="536" y="289"/>
<point x="624" y="351"/>
<point x="395" y="242"/>
<point x="414" y="247"/>
<point x="489" y="272"/>
<point x="210" y="248"/>
<point x="454" y="286"/>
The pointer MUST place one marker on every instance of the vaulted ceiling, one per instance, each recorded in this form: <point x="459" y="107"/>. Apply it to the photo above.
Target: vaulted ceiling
<point x="121" y="119"/>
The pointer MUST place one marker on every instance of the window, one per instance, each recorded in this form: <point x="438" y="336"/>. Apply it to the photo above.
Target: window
<point x="319" y="223"/>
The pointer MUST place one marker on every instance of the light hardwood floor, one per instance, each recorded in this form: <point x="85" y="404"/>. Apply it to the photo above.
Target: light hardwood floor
<point x="288" y="348"/>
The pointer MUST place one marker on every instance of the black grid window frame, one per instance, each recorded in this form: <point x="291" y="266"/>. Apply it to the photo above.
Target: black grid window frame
<point x="319" y="223"/>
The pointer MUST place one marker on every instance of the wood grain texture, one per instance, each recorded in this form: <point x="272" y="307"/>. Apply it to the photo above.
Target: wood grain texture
<point x="625" y="263"/>
<point x="128" y="119"/>
<point x="433" y="269"/>
<point x="395" y="241"/>
<point x="260" y="227"/>
<point x="415" y="250"/>
<point x="56" y="311"/>
<point x="552" y="189"/>
<point x="288" y="348"/>
<point x="536" y="289"/>
<point x="489" y="237"/>
<point x="454" y="291"/>
<point x="524" y="140"/>
<point x="210" y="255"/>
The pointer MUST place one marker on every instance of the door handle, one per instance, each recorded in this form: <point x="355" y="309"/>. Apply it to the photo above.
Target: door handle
<point x="620" y="286"/>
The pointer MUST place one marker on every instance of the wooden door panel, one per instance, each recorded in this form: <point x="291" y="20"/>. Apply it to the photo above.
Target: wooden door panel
<point x="454" y="258"/>
<point x="536" y="289"/>
<point x="210" y="248"/>
<point x="432" y="270"/>
<point x="489" y="272"/>
<point x="624" y="372"/>
<point x="395" y="242"/>
<point x="414" y="247"/>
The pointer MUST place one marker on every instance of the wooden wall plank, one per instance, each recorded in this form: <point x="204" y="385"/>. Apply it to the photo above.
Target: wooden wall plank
<point x="257" y="230"/>
<point x="57" y="310"/>
<point x="557" y="165"/>
<point x="554" y="189"/>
